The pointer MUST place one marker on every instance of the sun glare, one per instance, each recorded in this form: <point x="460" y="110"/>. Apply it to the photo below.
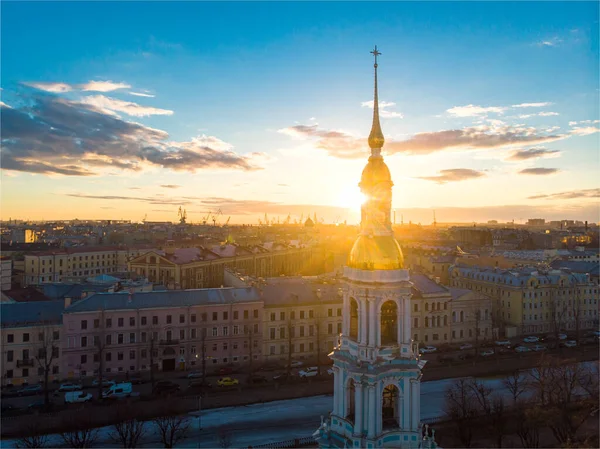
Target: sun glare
<point x="351" y="198"/>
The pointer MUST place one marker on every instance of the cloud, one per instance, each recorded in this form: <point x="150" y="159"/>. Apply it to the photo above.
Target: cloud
<point x="539" y="171"/>
<point x="283" y="185"/>
<point x="572" y="194"/>
<point x="95" y="86"/>
<point x="531" y="105"/>
<point x="128" y="107"/>
<point x="53" y="135"/>
<point x="342" y="145"/>
<point x="552" y="42"/>
<point x="170" y="186"/>
<point x="532" y="153"/>
<point x="140" y="94"/>
<point x="548" y="114"/>
<point x="172" y="201"/>
<point x="585" y="131"/>
<point x="453" y="175"/>
<point x="103" y="86"/>
<point x="471" y="110"/>
<point x="383" y="105"/>
<point x="56" y="88"/>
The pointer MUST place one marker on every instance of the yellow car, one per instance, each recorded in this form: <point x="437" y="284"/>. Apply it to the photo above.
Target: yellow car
<point x="227" y="381"/>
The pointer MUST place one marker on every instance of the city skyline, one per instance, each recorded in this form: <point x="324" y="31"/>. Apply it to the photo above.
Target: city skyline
<point x="265" y="108"/>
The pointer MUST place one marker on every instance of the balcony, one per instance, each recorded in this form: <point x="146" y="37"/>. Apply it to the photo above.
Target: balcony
<point x="24" y="363"/>
<point x="168" y="342"/>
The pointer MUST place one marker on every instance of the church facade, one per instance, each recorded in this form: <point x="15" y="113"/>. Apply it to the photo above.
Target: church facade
<point x="377" y="369"/>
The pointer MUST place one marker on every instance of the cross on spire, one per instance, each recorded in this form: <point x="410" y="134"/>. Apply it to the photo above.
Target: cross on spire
<point x="375" y="53"/>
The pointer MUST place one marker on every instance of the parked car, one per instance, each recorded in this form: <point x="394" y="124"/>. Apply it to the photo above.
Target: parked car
<point x="562" y="336"/>
<point x="502" y="343"/>
<point x="570" y="344"/>
<point x="427" y="349"/>
<point x="165" y="387"/>
<point x="69" y="386"/>
<point x="105" y="383"/>
<point x="445" y="358"/>
<point x="30" y="390"/>
<point x="37" y="405"/>
<point x="531" y="339"/>
<point x="136" y="379"/>
<point x="487" y="353"/>
<point x="309" y="372"/>
<point x="522" y="349"/>
<point x="74" y="397"/>
<point x="465" y="346"/>
<point x="195" y="375"/>
<point x="118" y="391"/>
<point x="296" y="364"/>
<point x="273" y="366"/>
<point x="330" y="371"/>
<point x="256" y="379"/>
<point x="227" y="382"/>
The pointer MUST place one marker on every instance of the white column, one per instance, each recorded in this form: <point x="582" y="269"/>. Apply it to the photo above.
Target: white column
<point x="346" y="315"/>
<point x="416" y="403"/>
<point x="406" y="398"/>
<point x="378" y="329"/>
<point x="378" y="405"/>
<point x="341" y="398"/>
<point x="400" y="312"/>
<point x="363" y="323"/>
<point x="407" y="322"/>
<point x="336" y="390"/>
<point x="358" y="409"/>
<point x="372" y="323"/>
<point x="371" y="412"/>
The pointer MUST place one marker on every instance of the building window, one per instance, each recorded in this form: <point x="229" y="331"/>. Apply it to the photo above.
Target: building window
<point x="272" y="316"/>
<point x="182" y="318"/>
<point x="272" y="333"/>
<point x="416" y="307"/>
<point x="25" y="372"/>
<point x="302" y="314"/>
<point x="215" y="332"/>
<point x="10" y="338"/>
<point x="329" y="312"/>
<point x="83" y="324"/>
<point x="132" y="354"/>
<point x="9" y="356"/>
<point x="132" y="321"/>
<point x="96" y="323"/>
<point x="193" y="336"/>
<point x="225" y="331"/>
<point x="83" y="342"/>
<point x="83" y="359"/>
<point x="121" y="322"/>
<point x="108" y="340"/>
<point x="144" y="321"/>
<point x="225" y="316"/>
<point x="120" y="339"/>
<point x="235" y="315"/>
<point x="339" y="311"/>
<point x="236" y="330"/>
<point x="108" y="357"/>
<point x="282" y="316"/>
<point x="132" y="337"/>
<point x="193" y="317"/>
<point x="119" y="356"/>
<point x="182" y="334"/>
<point x="203" y="317"/>
<point x="109" y="322"/>
<point x="272" y="350"/>
<point x="246" y="314"/>
<point x="155" y="320"/>
<point x="415" y="322"/>
<point x="255" y="313"/>
<point x="169" y="319"/>
<point x="329" y="328"/>
<point x="215" y="316"/>
<point x="25" y="337"/>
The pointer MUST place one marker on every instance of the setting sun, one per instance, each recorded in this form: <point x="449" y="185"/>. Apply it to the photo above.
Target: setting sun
<point x="351" y="197"/>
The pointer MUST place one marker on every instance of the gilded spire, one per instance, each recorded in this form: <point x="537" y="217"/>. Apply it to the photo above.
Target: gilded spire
<point x="376" y="139"/>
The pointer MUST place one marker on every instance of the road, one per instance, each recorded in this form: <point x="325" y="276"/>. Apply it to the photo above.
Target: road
<point x="274" y="421"/>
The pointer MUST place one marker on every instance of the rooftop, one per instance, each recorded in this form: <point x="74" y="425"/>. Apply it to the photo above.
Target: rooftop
<point x="164" y="299"/>
<point x="22" y="314"/>
<point x="297" y="290"/>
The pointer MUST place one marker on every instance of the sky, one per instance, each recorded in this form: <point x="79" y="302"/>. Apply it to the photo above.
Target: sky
<point x="130" y="110"/>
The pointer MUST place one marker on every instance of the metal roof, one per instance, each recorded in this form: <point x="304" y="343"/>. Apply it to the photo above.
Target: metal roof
<point x="22" y="314"/>
<point x="160" y="299"/>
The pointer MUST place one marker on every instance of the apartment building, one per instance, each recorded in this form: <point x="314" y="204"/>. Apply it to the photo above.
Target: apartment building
<point x="174" y="330"/>
<point x="529" y="300"/>
<point x="31" y="336"/>
<point x="185" y="268"/>
<point x="301" y="317"/>
<point x="446" y="315"/>
<point x="55" y="266"/>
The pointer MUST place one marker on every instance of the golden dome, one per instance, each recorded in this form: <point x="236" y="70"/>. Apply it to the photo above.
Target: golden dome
<point x="376" y="253"/>
<point x="375" y="172"/>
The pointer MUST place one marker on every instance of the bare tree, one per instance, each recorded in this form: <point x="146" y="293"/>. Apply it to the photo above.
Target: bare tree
<point x="32" y="440"/>
<point x="83" y="434"/>
<point x="100" y="344"/>
<point x="482" y="394"/>
<point x="558" y="314"/>
<point x="461" y="408"/>
<point x="529" y="422"/>
<point x="516" y="384"/>
<point x="498" y="419"/>
<point x="129" y="431"/>
<point x="47" y="351"/>
<point x="172" y="429"/>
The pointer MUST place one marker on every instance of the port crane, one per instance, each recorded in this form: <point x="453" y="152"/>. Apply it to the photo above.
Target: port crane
<point x="182" y="214"/>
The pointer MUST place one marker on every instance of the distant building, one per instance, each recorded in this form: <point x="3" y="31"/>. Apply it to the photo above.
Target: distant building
<point x="22" y="235"/>
<point x="176" y="329"/>
<point x="531" y="300"/>
<point x="536" y="222"/>
<point x="77" y="263"/>
<point x="29" y="330"/>
<point x="5" y="273"/>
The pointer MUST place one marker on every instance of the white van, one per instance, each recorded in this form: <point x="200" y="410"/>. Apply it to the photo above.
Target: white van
<point x="73" y="397"/>
<point x="118" y="391"/>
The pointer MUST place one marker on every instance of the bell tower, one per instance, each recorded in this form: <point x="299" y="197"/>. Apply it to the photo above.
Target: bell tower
<point x="376" y="365"/>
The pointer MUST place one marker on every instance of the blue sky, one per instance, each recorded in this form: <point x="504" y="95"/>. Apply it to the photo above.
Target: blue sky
<point x="494" y="103"/>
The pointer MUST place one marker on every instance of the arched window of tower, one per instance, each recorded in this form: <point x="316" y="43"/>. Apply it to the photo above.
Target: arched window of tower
<point x="353" y="319"/>
<point x="389" y="323"/>
<point x="350" y="398"/>
<point x="389" y="407"/>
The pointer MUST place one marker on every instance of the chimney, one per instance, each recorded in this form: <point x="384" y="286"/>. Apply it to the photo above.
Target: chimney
<point x="67" y="302"/>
